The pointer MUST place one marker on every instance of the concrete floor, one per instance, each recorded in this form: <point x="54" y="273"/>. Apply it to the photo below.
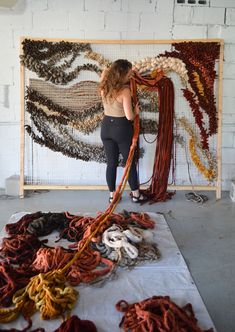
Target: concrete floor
<point x="204" y="233"/>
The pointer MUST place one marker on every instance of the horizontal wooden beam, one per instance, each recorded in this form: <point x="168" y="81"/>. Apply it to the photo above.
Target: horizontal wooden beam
<point x="103" y="187"/>
<point x="126" y="42"/>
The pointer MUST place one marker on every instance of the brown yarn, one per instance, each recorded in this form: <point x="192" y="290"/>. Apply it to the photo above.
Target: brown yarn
<point x="158" y="314"/>
<point x="75" y="324"/>
<point x="157" y="191"/>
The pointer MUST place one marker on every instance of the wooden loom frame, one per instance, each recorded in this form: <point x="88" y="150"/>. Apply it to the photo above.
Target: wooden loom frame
<point x="216" y="188"/>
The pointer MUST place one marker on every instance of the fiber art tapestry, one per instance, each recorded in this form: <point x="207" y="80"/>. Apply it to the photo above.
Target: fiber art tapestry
<point x="64" y="109"/>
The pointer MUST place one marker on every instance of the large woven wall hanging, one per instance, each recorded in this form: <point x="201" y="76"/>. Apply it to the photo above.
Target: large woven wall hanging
<point x="62" y="111"/>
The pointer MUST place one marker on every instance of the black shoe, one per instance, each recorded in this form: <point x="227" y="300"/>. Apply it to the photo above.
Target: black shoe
<point x="138" y="199"/>
<point x="111" y="199"/>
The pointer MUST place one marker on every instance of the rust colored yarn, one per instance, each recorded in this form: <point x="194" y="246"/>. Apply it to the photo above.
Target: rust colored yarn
<point x="20" y="249"/>
<point x="190" y="96"/>
<point x="26" y="329"/>
<point x="11" y="279"/>
<point x="158" y="314"/>
<point x="51" y="258"/>
<point x="140" y="219"/>
<point x="86" y="269"/>
<point x="157" y="192"/>
<point x="75" y="324"/>
<point x="20" y="227"/>
<point x="76" y="228"/>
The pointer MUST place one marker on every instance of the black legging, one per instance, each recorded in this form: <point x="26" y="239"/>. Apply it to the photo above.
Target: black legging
<point x="116" y="135"/>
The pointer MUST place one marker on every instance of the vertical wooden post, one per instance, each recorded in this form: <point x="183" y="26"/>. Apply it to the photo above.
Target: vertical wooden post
<point x="22" y="123"/>
<point x="219" y="135"/>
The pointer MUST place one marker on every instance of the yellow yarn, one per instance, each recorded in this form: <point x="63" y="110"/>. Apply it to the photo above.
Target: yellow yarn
<point x="209" y="173"/>
<point x="198" y="83"/>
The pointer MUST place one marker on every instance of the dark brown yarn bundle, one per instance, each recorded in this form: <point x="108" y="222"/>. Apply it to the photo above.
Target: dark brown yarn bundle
<point x="157" y="192"/>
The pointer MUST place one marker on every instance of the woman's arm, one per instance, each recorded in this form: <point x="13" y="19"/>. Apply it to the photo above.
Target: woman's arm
<point x="104" y="72"/>
<point x="127" y="103"/>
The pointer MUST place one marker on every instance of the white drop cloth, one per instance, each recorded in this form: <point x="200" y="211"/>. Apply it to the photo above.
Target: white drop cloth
<point x="167" y="276"/>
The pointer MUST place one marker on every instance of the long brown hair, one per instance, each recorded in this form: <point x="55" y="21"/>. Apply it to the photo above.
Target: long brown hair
<point x="114" y="79"/>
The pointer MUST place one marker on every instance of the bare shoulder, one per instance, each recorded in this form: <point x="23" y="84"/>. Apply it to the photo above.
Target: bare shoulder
<point x="126" y="91"/>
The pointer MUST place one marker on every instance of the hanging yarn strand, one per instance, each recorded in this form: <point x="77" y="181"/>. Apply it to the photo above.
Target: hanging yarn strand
<point x="162" y="162"/>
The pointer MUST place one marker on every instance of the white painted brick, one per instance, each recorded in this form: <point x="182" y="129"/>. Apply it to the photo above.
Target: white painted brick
<point x="194" y="32"/>
<point x="37" y="5"/>
<point x="6" y="76"/>
<point x="228" y="171"/>
<point x="208" y="15"/>
<point x="227" y="140"/>
<point x="6" y="38"/>
<point x="159" y="23"/>
<point x="228" y="88"/>
<point x="103" y="5"/>
<point x="79" y="34"/>
<point x="228" y="174"/>
<point x="87" y="21"/>
<point x="6" y="114"/>
<point x="5" y="96"/>
<point x="121" y="22"/>
<point x="10" y="56"/>
<point x="17" y="21"/>
<point x="137" y="35"/>
<point x="229" y="70"/>
<point x="102" y="35"/>
<point x="139" y="6"/>
<point x="228" y="119"/>
<point x="56" y="20"/>
<point x="222" y="3"/>
<point x="218" y="31"/>
<point x="165" y="8"/>
<point x="183" y="14"/>
<point x="74" y="5"/>
<point x="228" y="104"/>
<point x="230" y="16"/>
<point x="47" y="33"/>
<point x="228" y="155"/>
<point x="151" y="22"/>
<point x="9" y="151"/>
<point x="93" y="21"/>
<point x="229" y="52"/>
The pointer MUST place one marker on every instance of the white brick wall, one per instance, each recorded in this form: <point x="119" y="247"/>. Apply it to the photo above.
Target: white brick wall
<point x="222" y="3"/>
<point x="230" y="16"/>
<point x="229" y="70"/>
<point x="115" y="21"/>
<point x="195" y="32"/>
<point x="208" y="15"/>
<point x="110" y="19"/>
<point x="225" y="32"/>
<point x="229" y="52"/>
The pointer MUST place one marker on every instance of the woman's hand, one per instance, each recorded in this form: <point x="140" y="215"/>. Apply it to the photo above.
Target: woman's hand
<point x="104" y="72"/>
<point x="137" y="109"/>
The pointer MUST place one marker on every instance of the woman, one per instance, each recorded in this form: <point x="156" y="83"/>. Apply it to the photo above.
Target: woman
<point x="117" y="127"/>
